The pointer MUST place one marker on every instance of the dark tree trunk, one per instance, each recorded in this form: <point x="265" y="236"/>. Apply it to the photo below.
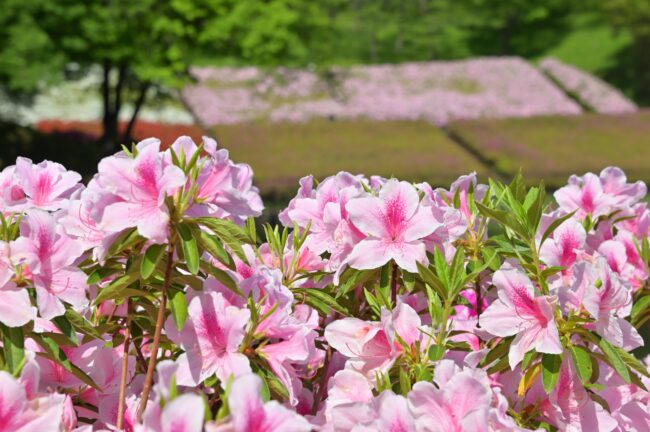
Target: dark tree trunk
<point x="109" y="120"/>
<point x="506" y="35"/>
<point x="142" y="95"/>
<point x="112" y="102"/>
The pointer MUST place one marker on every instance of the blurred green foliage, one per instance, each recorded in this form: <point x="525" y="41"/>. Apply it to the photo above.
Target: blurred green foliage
<point x="144" y="45"/>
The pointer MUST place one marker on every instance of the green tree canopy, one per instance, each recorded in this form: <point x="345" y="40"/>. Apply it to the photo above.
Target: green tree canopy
<point x="141" y="45"/>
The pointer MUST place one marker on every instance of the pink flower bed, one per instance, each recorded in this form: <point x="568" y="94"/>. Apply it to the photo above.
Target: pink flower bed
<point x="147" y="301"/>
<point x="436" y="91"/>
<point x="588" y="89"/>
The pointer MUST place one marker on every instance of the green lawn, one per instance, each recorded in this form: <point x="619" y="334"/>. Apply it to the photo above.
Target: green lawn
<point x="552" y="148"/>
<point x="282" y="153"/>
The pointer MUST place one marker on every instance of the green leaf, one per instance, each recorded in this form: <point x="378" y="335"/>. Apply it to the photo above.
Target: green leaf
<point x="125" y="240"/>
<point x="506" y="218"/>
<point x="230" y="234"/>
<point x="115" y="289"/>
<point x="640" y="306"/>
<point x="432" y="280"/>
<point x="189" y="246"/>
<point x="436" y="352"/>
<point x="615" y="360"/>
<point x="62" y="323"/>
<point x="178" y="305"/>
<point x="632" y="362"/>
<point x="222" y="276"/>
<point x="527" y="359"/>
<point x="404" y="381"/>
<point x="583" y="363"/>
<point x="553" y="226"/>
<point x="457" y="271"/>
<point x="81" y="324"/>
<point x="442" y="269"/>
<point x="213" y="245"/>
<point x="151" y="259"/>
<point x="551" y="364"/>
<point x="320" y="300"/>
<point x="499" y="351"/>
<point x="14" y="348"/>
<point x="101" y="273"/>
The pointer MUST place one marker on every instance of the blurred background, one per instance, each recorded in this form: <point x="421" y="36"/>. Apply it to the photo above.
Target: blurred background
<point x="420" y="89"/>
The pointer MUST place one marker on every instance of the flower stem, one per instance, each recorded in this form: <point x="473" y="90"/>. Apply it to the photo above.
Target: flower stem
<point x="148" y="381"/>
<point x="393" y="285"/>
<point x="125" y="364"/>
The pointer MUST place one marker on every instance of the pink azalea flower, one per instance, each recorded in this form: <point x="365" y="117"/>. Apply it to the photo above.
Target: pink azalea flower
<point x="569" y="406"/>
<point x="284" y="356"/>
<point x="50" y="256"/>
<point x="609" y="301"/>
<point x="16" y="309"/>
<point x="461" y="403"/>
<point x="79" y="224"/>
<point x="11" y="194"/>
<point x="18" y="413"/>
<point x="248" y="413"/>
<point x="225" y="189"/>
<point x="562" y="249"/>
<point x="615" y="184"/>
<point x="183" y="414"/>
<point x="462" y="187"/>
<point x="518" y="312"/>
<point x="584" y="195"/>
<point x="373" y="347"/>
<point x="395" y="224"/>
<point x="211" y="338"/>
<point x="138" y="188"/>
<point x="393" y="414"/>
<point x="364" y="343"/>
<point x="324" y="210"/>
<point x="47" y="185"/>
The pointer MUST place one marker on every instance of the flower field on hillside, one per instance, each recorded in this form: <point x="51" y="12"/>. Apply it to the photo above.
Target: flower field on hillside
<point x="437" y="92"/>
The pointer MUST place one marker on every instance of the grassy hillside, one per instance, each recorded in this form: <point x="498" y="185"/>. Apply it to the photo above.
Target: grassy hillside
<point x="552" y="148"/>
<point x="282" y="153"/>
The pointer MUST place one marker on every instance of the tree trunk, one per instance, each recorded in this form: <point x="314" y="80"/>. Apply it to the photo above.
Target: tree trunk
<point x="128" y="133"/>
<point x="109" y="121"/>
<point x="506" y="35"/>
<point x="112" y="101"/>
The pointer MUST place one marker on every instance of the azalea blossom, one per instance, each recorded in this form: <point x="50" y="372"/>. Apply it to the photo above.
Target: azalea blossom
<point x="609" y="301"/>
<point x="567" y="241"/>
<point x="372" y="347"/>
<point x="250" y="413"/>
<point x="133" y="191"/>
<point x="517" y="311"/>
<point x="211" y="340"/>
<point x="50" y="255"/>
<point x="18" y="413"/>
<point x="47" y="185"/>
<point x="225" y="188"/>
<point x="394" y="223"/>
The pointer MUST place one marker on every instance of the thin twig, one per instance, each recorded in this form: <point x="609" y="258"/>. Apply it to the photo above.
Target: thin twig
<point x="393" y="285"/>
<point x="148" y="381"/>
<point x="125" y="365"/>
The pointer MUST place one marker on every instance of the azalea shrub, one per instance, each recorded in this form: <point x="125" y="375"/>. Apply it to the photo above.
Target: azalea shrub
<point x="149" y="300"/>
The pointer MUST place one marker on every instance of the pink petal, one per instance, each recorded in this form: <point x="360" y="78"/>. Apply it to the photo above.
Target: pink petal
<point x="369" y="254"/>
<point x="183" y="414"/>
<point x="16" y="309"/>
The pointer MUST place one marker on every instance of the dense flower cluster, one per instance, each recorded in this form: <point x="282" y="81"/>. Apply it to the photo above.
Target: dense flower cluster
<point x="148" y="300"/>
<point x="435" y="91"/>
<point x="588" y="89"/>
